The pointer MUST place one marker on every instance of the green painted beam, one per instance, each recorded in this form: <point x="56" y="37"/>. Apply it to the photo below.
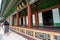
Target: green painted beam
<point x="43" y="5"/>
<point x="6" y="4"/>
<point x="48" y="4"/>
<point x="3" y="5"/>
<point x="13" y="9"/>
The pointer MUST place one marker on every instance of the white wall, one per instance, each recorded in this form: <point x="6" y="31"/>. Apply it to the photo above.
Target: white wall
<point x="10" y="20"/>
<point x="56" y="15"/>
<point x="56" y="18"/>
<point x="33" y="19"/>
<point x="20" y="21"/>
<point x="40" y="19"/>
<point x="26" y="20"/>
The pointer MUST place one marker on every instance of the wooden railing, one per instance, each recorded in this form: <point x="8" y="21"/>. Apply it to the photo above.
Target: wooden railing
<point x="38" y="34"/>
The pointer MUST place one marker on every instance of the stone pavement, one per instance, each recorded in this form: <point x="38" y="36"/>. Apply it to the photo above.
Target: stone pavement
<point x="11" y="36"/>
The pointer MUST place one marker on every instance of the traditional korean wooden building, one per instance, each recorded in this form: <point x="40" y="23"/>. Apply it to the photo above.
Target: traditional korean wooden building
<point x="32" y="13"/>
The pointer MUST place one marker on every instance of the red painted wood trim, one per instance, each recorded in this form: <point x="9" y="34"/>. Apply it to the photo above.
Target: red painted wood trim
<point x="29" y="16"/>
<point x="36" y="18"/>
<point x="17" y="19"/>
<point x="12" y="20"/>
<point x="47" y="9"/>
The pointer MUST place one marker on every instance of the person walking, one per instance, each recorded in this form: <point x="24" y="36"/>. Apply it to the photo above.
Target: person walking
<point x="6" y="26"/>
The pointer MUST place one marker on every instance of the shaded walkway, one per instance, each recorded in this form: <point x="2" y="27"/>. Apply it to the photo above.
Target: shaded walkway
<point x="11" y="36"/>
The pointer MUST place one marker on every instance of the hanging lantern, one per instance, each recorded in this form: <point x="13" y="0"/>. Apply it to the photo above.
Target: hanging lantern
<point x="20" y="6"/>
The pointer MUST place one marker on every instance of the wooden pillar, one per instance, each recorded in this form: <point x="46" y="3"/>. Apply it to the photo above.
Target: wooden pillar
<point x="29" y="16"/>
<point x="36" y="17"/>
<point x="12" y="20"/>
<point x="17" y="19"/>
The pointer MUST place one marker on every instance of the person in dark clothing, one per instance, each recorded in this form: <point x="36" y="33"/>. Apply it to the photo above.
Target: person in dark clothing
<point x="6" y="26"/>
